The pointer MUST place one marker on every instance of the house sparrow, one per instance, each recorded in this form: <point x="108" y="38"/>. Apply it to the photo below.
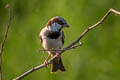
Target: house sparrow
<point x="52" y="38"/>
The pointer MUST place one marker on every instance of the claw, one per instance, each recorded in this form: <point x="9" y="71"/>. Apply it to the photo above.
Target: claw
<point x="46" y="63"/>
<point x="58" y="55"/>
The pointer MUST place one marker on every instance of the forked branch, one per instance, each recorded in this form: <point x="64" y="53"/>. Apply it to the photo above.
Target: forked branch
<point x="70" y="46"/>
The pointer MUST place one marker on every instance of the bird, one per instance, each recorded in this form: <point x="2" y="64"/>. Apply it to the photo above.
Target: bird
<point x="52" y="38"/>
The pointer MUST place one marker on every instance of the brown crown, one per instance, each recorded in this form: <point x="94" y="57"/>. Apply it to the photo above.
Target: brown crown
<point x="54" y="20"/>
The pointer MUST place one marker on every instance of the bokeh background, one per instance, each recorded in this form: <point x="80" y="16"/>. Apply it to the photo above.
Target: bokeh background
<point x="97" y="59"/>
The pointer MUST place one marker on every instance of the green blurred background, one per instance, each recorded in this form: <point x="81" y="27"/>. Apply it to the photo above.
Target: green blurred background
<point x="97" y="59"/>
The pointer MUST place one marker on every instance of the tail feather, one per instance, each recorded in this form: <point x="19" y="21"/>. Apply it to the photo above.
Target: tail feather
<point x="57" y="65"/>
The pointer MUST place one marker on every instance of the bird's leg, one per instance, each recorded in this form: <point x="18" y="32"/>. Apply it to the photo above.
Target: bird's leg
<point x="58" y="55"/>
<point x="46" y="60"/>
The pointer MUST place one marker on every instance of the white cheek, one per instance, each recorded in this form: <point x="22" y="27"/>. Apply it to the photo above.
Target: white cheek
<point x="55" y="27"/>
<point x="58" y="26"/>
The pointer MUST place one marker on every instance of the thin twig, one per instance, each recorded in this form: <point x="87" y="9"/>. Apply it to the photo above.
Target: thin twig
<point x="64" y="49"/>
<point x="4" y="38"/>
<point x="69" y="46"/>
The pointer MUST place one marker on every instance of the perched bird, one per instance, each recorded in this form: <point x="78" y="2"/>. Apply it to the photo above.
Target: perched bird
<point x="52" y="38"/>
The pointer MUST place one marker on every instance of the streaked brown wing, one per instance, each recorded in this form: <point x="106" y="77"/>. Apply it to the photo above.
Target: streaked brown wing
<point x="63" y="37"/>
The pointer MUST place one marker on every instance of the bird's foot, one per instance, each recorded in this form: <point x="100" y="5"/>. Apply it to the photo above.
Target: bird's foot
<point x="58" y="55"/>
<point x="46" y="63"/>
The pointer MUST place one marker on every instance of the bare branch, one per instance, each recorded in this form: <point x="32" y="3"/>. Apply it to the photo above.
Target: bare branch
<point x="4" y="38"/>
<point x="64" y="49"/>
<point x="70" y="46"/>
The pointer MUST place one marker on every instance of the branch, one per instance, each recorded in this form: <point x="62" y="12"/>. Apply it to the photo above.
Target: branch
<point x="64" y="49"/>
<point x="4" y="39"/>
<point x="70" y="45"/>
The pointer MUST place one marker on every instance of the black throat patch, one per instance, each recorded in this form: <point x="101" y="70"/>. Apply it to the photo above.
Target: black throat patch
<point x="53" y="35"/>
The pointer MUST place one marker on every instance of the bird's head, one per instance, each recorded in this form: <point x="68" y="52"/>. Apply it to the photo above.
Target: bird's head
<point x="56" y="23"/>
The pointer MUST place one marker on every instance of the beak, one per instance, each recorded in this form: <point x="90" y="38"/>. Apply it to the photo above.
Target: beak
<point x="66" y="25"/>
